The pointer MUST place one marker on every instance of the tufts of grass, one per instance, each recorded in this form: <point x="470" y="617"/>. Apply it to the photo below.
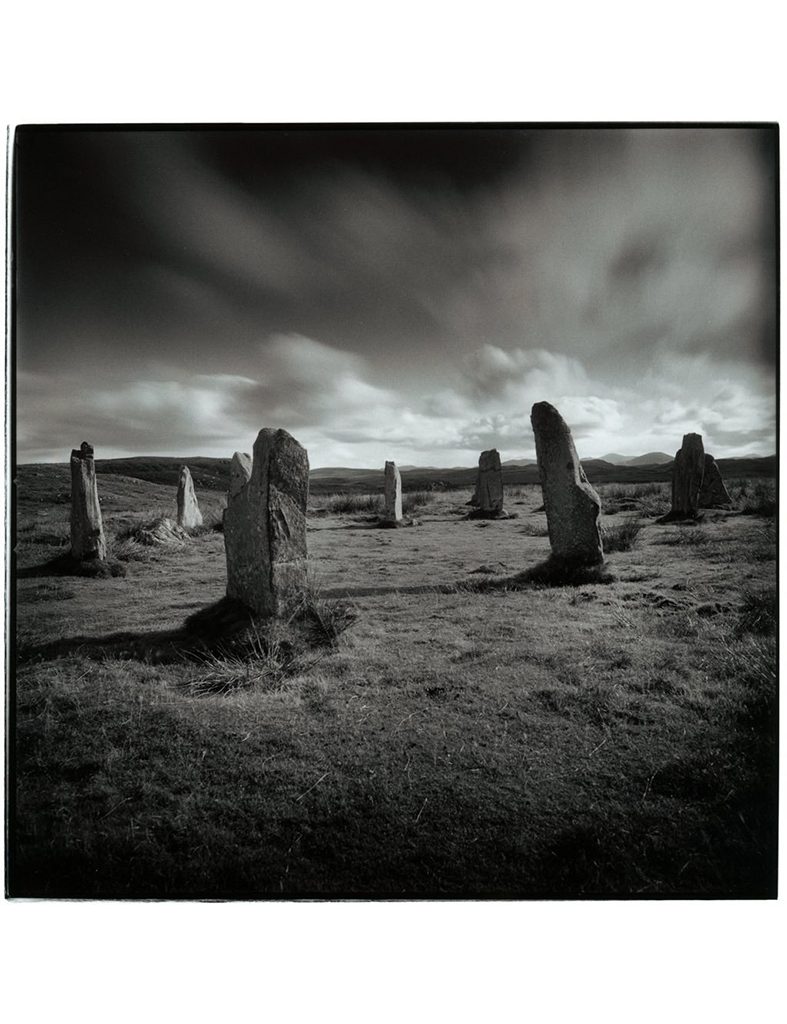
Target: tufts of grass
<point x="622" y="537"/>
<point x="338" y="503"/>
<point x="759" y="612"/>
<point x="261" y="659"/>
<point x="416" y="499"/>
<point x="757" y="498"/>
<point x="323" y="620"/>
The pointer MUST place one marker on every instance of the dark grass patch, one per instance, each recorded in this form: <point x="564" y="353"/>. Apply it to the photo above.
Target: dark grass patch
<point x="67" y="565"/>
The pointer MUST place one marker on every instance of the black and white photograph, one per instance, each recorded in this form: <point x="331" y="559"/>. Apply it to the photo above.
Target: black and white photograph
<point x="394" y="512"/>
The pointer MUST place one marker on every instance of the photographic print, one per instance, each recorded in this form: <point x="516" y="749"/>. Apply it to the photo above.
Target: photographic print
<point x="394" y="512"/>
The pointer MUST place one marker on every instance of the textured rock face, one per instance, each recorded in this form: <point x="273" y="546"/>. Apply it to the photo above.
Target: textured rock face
<point x="87" y="530"/>
<point x="687" y="476"/>
<point x="713" y="492"/>
<point x="572" y="506"/>
<point x="489" y="488"/>
<point x="265" y="524"/>
<point x="393" y="493"/>
<point x="189" y="514"/>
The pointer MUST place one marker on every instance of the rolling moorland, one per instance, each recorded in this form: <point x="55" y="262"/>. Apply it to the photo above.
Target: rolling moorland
<point x="444" y="720"/>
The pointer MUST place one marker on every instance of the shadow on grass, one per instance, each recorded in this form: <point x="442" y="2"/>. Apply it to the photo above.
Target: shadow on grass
<point x="554" y="572"/>
<point x="226" y="628"/>
<point x="205" y="630"/>
<point x="66" y="565"/>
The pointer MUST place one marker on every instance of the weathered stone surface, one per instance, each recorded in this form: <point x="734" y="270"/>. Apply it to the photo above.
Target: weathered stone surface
<point x="161" y="532"/>
<point x="571" y="504"/>
<point x="393" y="493"/>
<point x="87" y="529"/>
<point x="265" y="524"/>
<point x="713" y="493"/>
<point x="189" y="514"/>
<point x="687" y="476"/>
<point x="490" y="482"/>
<point x="240" y="472"/>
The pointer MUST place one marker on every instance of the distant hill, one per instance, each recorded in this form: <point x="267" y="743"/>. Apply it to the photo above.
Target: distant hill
<point x="213" y="474"/>
<point x="650" y="459"/>
<point x="519" y="462"/>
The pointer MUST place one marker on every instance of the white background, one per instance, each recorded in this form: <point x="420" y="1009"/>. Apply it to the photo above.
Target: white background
<point x="346" y="61"/>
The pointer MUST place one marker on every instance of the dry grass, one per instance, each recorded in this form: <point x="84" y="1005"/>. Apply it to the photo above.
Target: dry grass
<point x="405" y="734"/>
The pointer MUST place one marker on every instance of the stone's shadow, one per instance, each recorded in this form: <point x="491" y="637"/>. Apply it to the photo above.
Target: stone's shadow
<point x="66" y="565"/>
<point x="553" y="572"/>
<point x="486" y="515"/>
<point x="207" y="630"/>
<point x="680" y="519"/>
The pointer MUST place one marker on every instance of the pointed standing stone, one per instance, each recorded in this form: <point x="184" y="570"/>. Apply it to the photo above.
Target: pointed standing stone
<point x="265" y="524"/>
<point x="393" y="493"/>
<point x="713" y="492"/>
<point x="189" y="514"/>
<point x="687" y="474"/>
<point x="571" y="504"/>
<point x="87" y="530"/>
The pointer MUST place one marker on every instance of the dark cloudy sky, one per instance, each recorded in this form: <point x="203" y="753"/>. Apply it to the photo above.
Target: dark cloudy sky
<point x="402" y="294"/>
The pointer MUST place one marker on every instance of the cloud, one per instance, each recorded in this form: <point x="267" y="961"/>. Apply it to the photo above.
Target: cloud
<point x="324" y="397"/>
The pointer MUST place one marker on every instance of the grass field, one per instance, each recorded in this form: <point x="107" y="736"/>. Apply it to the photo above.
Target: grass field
<point x="442" y="725"/>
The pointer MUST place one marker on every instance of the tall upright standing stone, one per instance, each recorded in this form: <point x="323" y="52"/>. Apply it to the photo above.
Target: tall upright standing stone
<point x="687" y="474"/>
<point x="713" y="492"/>
<point x="87" y="530"/>
<point x="393" y="493"/>
<point x="189" y="514"/>
<point x="571" y="504"/>
<point x="488" y="496"/>
<point x="265" y="524"/>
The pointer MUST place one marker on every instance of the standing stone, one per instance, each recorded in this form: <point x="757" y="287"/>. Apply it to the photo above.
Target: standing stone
<point x="189" y="514"/>
<point x="571" y="504"/>
<point x="393" y="493"/>
<point x="87" y="530"/>
<point x="265" y="524"/>
<point x="713" y="492"/>
<point x="489" y="486"/>
<point x="687" y="474"/>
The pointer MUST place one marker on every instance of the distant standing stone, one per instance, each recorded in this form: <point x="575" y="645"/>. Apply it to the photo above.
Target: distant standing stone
<point x="489" y="486"/>
<point x="571" y="504"/>
<point x="189" y="514"/>
<point x="393" y="493"/>
<point x="713" y="492"/>
<point x="687" y="474"/>
<point x="265" y="524"/>
<point x="87" y="530"/>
